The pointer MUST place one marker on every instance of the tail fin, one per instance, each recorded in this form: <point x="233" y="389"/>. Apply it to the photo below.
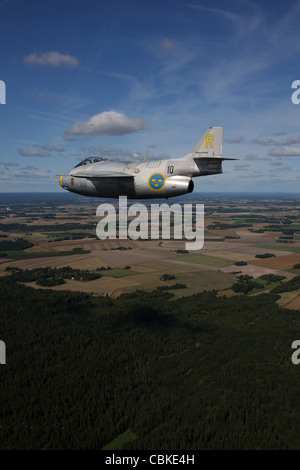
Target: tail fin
<point x="211" y="143"/>
<point x="209" y="147"/>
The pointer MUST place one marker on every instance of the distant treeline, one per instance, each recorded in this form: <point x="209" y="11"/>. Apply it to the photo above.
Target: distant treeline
<point x="72" y="236"/>
<point x="225" y="226"/>
<point x="246" y="283"/>
<point x="18" y="244"/>
<point x="15" y="227"/>
<point x="280" y="228"/>
<point x="178" y="285"/>
<point x="51" y="276"/>
<point x="291" y="285"/>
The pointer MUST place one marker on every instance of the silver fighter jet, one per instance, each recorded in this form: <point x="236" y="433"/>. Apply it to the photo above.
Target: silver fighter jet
<point x="149" y="179"/>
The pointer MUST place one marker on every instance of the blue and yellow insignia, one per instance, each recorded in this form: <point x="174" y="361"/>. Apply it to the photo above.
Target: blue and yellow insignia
<point x="156" y="181"/>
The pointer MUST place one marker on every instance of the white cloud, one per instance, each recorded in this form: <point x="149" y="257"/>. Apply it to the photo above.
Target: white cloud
<point x="241" y="166"/>
<point x="263" y="141"/>
<point x="6" y="164"/>
<point x="32" y="152"/>
<point x="29" y="167"/>
<point x="285" y="152"/>
<point x="235" y="140"/>
<point x="107" y="123"/>
<point x="253" y="157"/>
<point x="51" y="59"/>
<point x="277" y="162"/>
<point x="293" y="139"/>
<point x="50" y="148"/>
<point x="26" y="175"/>
<point x="277" y="134"/>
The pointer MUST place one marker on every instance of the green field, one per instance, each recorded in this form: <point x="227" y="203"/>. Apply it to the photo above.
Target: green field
<point x="266" y="287"/>
<point x="204" y="259"/>
<point x="204" y="280"/>
<point x="200" y="281"/>
<point x="282" y="247"/>
<point x="117" y="272"/>
<point x="72" y="235"/>
<point x="19" y="254"/>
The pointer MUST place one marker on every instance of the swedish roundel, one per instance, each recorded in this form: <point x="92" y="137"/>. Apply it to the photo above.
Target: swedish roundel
<point x="156" y="181"/>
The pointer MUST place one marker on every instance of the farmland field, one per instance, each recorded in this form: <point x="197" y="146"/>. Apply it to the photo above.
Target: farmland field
<point x="232" y="238"/>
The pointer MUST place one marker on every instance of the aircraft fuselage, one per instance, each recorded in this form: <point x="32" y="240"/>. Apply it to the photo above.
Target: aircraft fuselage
<point x="149" y="179"/>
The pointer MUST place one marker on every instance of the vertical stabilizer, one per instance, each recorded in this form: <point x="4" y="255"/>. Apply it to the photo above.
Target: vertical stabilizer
<point x="210" y="144"/>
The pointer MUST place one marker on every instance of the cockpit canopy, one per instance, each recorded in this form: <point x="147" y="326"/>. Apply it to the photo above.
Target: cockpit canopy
<point x="89" y="160"/>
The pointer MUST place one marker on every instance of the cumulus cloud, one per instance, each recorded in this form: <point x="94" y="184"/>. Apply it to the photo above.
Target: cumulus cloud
<point x="241" y="166"/>
<point x="278" y="133"/>
<point x="26" y="175"/>
<point x="50" y="148"/>
<point x="285" y="152"/>
<point x="263" y="141"/>
<point x="33" y="152"/>
<point x="253" y="157"/>
<point x="6" y="164"/>
<point x="293" y="139"/>
<point x="107" y="123"/>
<point x="276" y="162"/>
<point x="290" y="140"/>
<point x="51" y="59"/>
<point x="29" y="167"/>
<point x="235" y="140"/>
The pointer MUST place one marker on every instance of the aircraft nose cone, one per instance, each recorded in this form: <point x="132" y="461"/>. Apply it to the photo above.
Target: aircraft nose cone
<point x="60" y="180"/>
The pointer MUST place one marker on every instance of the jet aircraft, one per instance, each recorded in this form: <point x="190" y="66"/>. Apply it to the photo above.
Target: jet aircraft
<point x="99" y="177"/>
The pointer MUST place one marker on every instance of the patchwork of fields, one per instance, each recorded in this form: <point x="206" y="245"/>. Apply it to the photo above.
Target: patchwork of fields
<point x="242" y="237"/>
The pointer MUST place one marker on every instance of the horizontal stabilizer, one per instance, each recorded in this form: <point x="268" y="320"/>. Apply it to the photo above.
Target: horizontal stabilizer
<point x="221" y="159"/>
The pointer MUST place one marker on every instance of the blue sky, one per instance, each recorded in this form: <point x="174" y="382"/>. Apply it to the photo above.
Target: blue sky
<point x="121" y="78"/>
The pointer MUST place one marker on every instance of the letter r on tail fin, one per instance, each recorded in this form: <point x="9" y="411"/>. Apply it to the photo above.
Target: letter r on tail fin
<point x="209" y="140"/>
